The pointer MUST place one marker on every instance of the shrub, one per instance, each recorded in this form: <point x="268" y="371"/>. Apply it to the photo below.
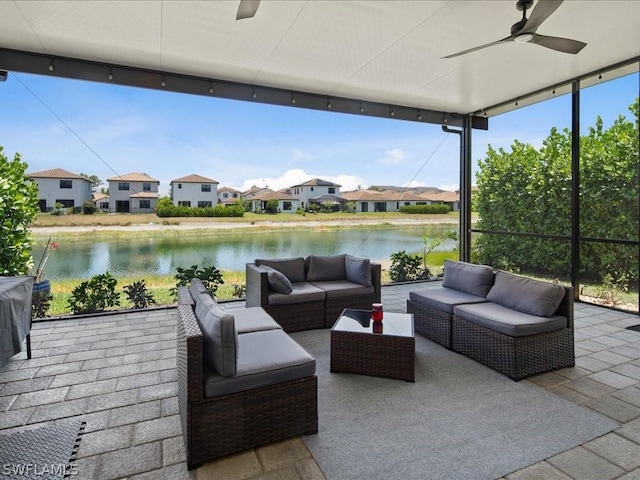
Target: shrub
<point x="18" y="208"/>
<point x="425" y="209"/>
<point x="95" y="295"/>
<point x="166" y="208"/>
<point x="89" y="208"/>
<point x="211" y="277"/>
<point x="272" y="206"/>
<point x="406" y="268"/>
<point x="138" y="294"/>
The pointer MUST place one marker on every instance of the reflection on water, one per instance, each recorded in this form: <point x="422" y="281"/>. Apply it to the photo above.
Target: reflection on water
<point x="122" y="257"/>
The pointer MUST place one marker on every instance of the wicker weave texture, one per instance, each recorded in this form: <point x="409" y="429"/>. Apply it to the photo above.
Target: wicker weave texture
<point x="518" y="357"/>
<point x="218" y="426"/>
<point x="431" y="323"/>
<point x="376" y="355"/>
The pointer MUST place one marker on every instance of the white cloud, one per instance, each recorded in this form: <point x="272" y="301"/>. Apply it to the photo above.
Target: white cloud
<point x="393" y="157"/>
<point x="452" y="187"/>
<point x="297" y="176"/>
<point x="298" y="155"/>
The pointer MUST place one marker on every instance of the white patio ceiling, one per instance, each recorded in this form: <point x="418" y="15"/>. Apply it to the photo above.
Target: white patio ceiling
<point x="380" y="51"/>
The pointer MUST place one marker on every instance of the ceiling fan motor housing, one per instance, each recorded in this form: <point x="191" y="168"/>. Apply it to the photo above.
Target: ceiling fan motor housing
<point x="524" y="4"/>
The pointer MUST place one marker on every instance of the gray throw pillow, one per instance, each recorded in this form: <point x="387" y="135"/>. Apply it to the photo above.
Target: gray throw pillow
<point x="468" y="277"/>
<point x="277" y="280"/>
<point x="326" y="268"/>
<point x="293" y="268"/>
<point x="526" y="295"/>
<point x="220" y="349"/>
<point x="358" y="270"/>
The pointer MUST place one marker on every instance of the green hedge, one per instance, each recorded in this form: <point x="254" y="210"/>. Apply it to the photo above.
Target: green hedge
<point x="528" y="190"/>
<point x="166" y="208"/>
<point x="428" y="209"/>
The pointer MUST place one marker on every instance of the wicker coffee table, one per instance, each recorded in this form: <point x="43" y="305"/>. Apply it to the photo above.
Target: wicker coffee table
<point x="355" y="348"/>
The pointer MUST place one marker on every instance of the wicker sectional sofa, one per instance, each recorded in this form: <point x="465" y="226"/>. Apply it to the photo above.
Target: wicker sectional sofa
<point x="242" y="381"/>
<point x="516" y="325"/>
<point x="307" y="293"/>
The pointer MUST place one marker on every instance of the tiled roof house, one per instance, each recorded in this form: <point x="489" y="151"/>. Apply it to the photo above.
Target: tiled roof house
<point x="133" y="193"/>
<point x="58" y="186"/>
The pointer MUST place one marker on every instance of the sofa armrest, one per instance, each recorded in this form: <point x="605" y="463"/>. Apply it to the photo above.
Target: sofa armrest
<point x="566" y="307"/>
<point x="376" y="279"/>
<point x="189" y="359"/>
<point x="257" y="294"/>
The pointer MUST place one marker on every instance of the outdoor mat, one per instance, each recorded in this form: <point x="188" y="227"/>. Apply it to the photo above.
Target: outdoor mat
<point x="634" y="327"/>
<point x="41" y="453"/>
<point x="459" y="420"/>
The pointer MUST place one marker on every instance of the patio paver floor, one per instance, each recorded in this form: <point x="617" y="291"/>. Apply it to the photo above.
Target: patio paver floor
<point x="118" y="373"/>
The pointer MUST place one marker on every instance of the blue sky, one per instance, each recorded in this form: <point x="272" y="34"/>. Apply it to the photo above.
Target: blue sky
<point x="116" y="130"/>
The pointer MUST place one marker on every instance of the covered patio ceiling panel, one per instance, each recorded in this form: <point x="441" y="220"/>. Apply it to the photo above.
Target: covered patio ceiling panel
<point x="379" y="51"/>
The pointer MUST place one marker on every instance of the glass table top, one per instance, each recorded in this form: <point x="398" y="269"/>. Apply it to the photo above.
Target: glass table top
<point x="359" y="321"/>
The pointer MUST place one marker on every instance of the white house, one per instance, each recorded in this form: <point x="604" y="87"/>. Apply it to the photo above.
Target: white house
<point x="286" y="203"/>
<point x="194" y="191"/>
<point x="392" y="201"/>
<point x="102" y="201"/>
<point x="316" y="190"/>
<point x="62" y="187"/>
<point x="228" y="195"/>
<point x="133" y="193"/>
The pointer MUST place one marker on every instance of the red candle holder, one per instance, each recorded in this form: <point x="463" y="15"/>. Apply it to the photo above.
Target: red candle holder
<point x="376" y="312"/>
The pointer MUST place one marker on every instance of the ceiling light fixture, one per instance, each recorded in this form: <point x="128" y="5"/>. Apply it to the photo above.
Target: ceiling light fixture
<point x="600" y="77"/>
<point x="110" y="76"/>
<point x="328" y="104"/>
<point x="525" y="37"/>
<point x="392" y="113"/>
<point x="293" y="99"/>
<point x="52" y="67"/>
<point x="254" y="95"/>
<point x="361" y="108"/>
<point x="210" y="87"/>
<point x="419" y="116"/>
<point x="163" y="83"/>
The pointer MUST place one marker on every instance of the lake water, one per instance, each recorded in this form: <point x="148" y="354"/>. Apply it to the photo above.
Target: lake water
<point x="138" y="256"/>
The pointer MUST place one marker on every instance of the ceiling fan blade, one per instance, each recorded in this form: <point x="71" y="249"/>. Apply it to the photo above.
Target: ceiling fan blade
<point x="543" y="10"/>
<point x="464" y="52"/>
<point x="565" y="45"/>
<point x="247" y="9"/>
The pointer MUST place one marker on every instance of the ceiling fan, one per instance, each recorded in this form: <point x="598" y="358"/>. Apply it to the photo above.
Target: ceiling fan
<point x="525" y="30"/>
<point x="247" y="9"/>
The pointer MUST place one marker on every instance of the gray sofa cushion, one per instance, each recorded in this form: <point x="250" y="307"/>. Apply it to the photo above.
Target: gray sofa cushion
<point x="443" y="298"/>
<point x="505" y="320"/>
<point x="219" y="335"/>
<point x="324" y="268"/>
<point x="526" y="295"/>
<point x="467" y="277"/>
<point x="266" y="358"/>
<point x="358" y="270"/>
<point x="302" y="292"/>
<point x="196" y="287"/>
<point x="277" y="280"/>
<point x="253" y="319"/>
<point x="343" y="288"/>
<point x="293" y="268"/>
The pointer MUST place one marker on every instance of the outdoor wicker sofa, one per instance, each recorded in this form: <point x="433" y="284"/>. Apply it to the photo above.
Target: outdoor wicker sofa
<point x="307" y="293"/>
<point x="242" y="381"/>
<point x="516" y="325"/>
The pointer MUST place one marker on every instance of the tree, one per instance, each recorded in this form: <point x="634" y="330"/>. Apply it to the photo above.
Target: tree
<point x="95" y="181"/>
<point x="528" y="190"/>
<point x="18" y="208"/>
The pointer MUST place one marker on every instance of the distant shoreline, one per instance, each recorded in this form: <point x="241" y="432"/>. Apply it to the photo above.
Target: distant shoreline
<point x="217" y="225"/>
